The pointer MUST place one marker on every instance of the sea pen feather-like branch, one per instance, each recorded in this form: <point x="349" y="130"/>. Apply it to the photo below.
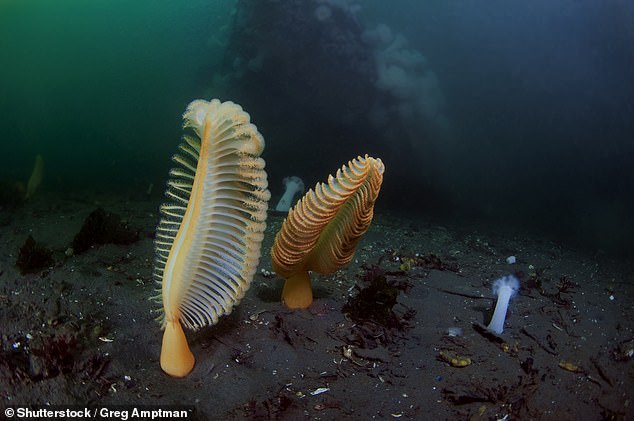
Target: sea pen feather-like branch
<point x="208" y="240"/>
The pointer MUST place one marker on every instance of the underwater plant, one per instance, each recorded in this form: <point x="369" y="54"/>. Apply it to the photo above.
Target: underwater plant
<point x="375" y="300"/>
<point x="209" y="237"/>
<point x="321" y="232"/>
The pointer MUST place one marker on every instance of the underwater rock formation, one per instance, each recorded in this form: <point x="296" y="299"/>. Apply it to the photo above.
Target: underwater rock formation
<point x="33" y="257"/>
<point x="320" y="74"/>
<point x="303" y="49"/>
<point x="101" y="227"/>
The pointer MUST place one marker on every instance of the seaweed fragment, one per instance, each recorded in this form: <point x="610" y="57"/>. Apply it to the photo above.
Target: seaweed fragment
<point x="33" y="257"/>
<point x="564" y="286"/>
<point x="375" y="301"/>
<point x="56" y="355"/>
<point x="101" y="227"/>
<point x="48" y="357"/>
<point x="373" y="310"/>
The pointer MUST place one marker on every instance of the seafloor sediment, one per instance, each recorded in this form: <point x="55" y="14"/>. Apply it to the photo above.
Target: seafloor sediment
<point x="375" y="344"/>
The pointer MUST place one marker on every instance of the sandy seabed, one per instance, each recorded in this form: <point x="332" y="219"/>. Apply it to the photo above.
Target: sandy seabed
<point x="395" y="335"/>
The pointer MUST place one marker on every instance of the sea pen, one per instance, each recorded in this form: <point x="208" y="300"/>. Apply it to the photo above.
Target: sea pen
<point x="209" y="237"/>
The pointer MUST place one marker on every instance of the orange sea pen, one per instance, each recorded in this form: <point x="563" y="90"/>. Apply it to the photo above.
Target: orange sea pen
<point x="322" y="231"/>
<point x="209" y="237"/>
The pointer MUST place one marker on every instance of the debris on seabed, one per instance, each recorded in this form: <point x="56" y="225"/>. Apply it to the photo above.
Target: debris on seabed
<point x="568" y="366"/>
<point x="319" y="391"/>
<point x="453" y="360"/>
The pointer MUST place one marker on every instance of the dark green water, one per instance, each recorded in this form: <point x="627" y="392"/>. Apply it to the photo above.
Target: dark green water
<point x="514" y="113"/>
<point x="98" y="87"/>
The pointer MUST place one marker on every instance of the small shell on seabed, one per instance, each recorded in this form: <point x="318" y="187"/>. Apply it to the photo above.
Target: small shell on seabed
<point x="454" y="331"/>
<point x="319" y="391"/>
<point x="347" y="352"/>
